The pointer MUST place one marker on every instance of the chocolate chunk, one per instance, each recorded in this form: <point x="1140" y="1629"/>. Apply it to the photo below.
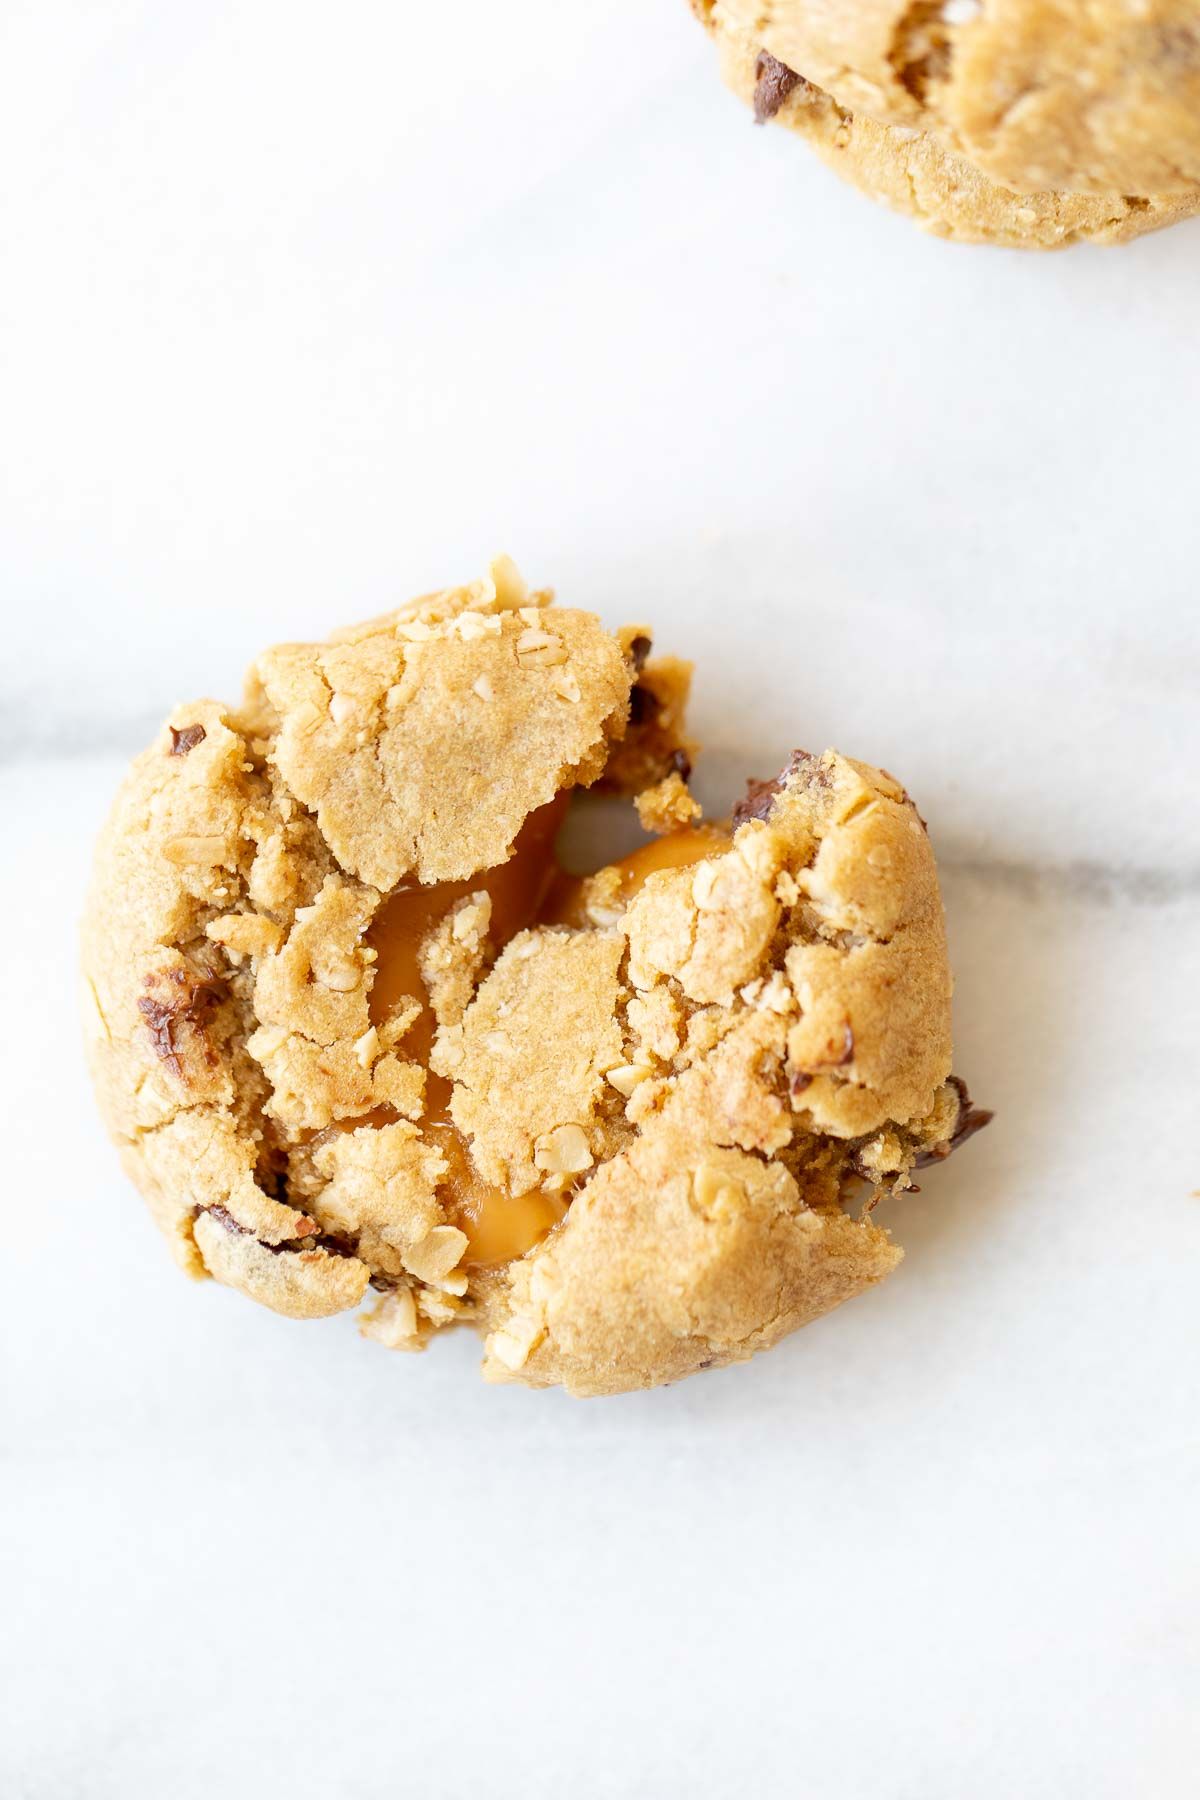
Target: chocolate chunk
<point x="161" y="1020"/>
<point x="179" y="996"/>
<point x="798" y="1081"/>
<point x="639" y="650"/>
<point x="271" y="1172"/>
<point x="760" y="795"/>
<point x="187" y="739"/>
<point x="644" y="706"/>
<point x="226" y="1219"/>
<point x="970" y="1120"/>
<point x="681" y="762"/>
<point x="333" y="1243"/>
<point x="773" y="82"/>
<point x="760" y="798"/>
<point x="304" y="1246"/>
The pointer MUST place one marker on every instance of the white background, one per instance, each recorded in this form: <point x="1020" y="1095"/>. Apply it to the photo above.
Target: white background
<point x="307" y="309"/>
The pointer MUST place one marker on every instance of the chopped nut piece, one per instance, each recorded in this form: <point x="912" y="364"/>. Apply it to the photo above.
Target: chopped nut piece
<point x="716" y="1193"/>
<point x="627" y="1077"/>
<point x="471" y="920"/>
<point x="512" y="1346"/>
<point x="471" y="626"/>
<point x="340" y="972"/>
<point x="772" y="995"/>
<point x="267" y="1042"/>
<point x="249" y="934"/>
<point x="703" y="883"/>
<point x="199" y="852"/>
<point x="564" y="1151"/>
<point x="507" y="581"/>
<point x="438" y="1252"/>
<point x="540" y="649"/>
<point x="394" y="1323"/>
<point x="438" y="1307"/>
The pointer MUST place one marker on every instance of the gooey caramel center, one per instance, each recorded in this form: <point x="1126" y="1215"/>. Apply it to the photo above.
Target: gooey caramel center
<point x="567" y="900"/>
<point x="529" y="889"/>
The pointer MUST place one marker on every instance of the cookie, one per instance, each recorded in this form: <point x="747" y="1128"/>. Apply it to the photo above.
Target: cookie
<point x="352" y="1027"/>
<point x="1020" y="122"/>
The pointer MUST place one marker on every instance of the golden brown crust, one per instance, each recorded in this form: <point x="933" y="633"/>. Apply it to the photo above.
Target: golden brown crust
<point x="362" y="730"/>
<point x="671" y="1262"/>
<point x="1026" y="124"/>
<point x="698" y="1076"/>
<point x="522" y="1078"/>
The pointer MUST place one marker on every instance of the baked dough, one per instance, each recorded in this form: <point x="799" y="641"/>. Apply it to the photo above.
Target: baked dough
<point x="352" y="1029"/>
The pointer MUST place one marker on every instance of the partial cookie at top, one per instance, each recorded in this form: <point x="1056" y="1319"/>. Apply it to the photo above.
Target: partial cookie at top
<point x="896" y="99"/>
<point x="1036" y="94"/>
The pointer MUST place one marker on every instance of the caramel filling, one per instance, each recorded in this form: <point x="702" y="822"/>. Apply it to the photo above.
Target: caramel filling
<point x="528" y="889"/>
<point x="498" y="1227"/>
<point x="517" y="888"/>
<point x="567" y="900"/>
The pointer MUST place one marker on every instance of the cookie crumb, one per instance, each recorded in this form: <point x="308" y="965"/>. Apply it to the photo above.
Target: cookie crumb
<point x="667" y="805"/>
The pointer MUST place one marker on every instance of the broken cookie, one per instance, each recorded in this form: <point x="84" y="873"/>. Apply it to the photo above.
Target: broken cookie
<point x="353" y="1027"/>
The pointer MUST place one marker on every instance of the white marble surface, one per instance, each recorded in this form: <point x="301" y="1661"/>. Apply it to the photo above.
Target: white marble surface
<point x="304" y="311"/>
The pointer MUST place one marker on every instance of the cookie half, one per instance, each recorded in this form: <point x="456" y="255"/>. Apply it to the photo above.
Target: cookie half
<point x="352" y="1026"/>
